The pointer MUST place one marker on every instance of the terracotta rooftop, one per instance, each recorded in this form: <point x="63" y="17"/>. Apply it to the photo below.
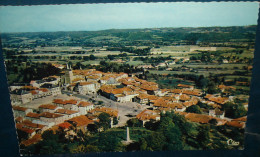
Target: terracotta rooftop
<point x="48" y="106"/>
<point x="19" y="108"/>
<point x="78" y="79"/>
<point x="21" y="127"/>
<point x="64" y="111"/>
<point x="80" y="121"/>
<point x="33" y="115"/>
<point x="43" y="89"/>
<point x="30" y="124"/>
<point x="65" y="125"/>
<point x="219" y="100"/>
<point x="199" y="118"/>
<point x="121" y="90"/>
<point x="110" y="111"/>
<point x="35" y="139"/>
<point x="84" y="104"/>
<point x="85" y="83"/>
<point x="184" y="97"/>
<point x="147" y="115"/>
<point x="191" y="92"/>
<point x="29" y="87"/>
<point x="64" y="102"/>
<point x="236" y="124"/>
<point x="19" y="119"/>
<point x="50" y="115"/>
<point x="242" y="119"/>
<point x="107" y="88"/>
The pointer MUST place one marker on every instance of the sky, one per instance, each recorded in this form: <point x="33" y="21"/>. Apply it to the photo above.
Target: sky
<point x="91" y="17"/>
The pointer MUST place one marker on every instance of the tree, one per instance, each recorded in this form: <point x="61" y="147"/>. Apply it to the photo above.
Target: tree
<point x="155" y="141"/>
<point x="109" y="142"/>
<point x="234" y="110"/>
<point x="194" y="109"/>
<point x="115" y="121"/>
<point x="92" y="57"/>
<point x="134" y="122"/>
<point x="203" y="136"/>
<point x="104" y="121"/>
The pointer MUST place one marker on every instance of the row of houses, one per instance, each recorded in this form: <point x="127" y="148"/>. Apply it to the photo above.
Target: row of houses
<point x="61" y="113"/>
<point x="25" y="93"/>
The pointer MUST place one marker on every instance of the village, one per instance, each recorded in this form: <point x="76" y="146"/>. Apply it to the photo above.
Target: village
<point x="76" y="98"/>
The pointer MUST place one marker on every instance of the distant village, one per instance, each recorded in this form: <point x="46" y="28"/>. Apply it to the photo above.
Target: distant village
<point x="118" y="87"/>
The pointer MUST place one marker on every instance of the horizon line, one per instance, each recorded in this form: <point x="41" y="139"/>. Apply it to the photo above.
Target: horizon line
<point x="126" y="29"/>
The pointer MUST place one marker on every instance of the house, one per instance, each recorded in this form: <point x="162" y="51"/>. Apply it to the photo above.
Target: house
<point x="37" y="83"/>
<point x="110" y="111"/>
<point x="29" y="132"/>
<point x="142" y="99"/>
<point x="54" y="89"/>
<point x="20" y="96"/>
<point x="84" y="107"/>
<point x="16" y="86"/>
<point x="147" y="115"/>
<point x="68" y="114"/>
<point x="238" y="123"/>
<point x="65" y="126"/>
<point x="32" y="116"/>
<point x="199" y="118"/>
<point x="21" y="111"/>
<point x="37" y="127"/>
<point x="183" y="97"/>
<point x="216" y="113"/>
<point x="52" y="118"/>
<point x="161" y="92"/>
<point x="48" y="108"/>
<point x="70" y="104"/>
<point x="52" y="80"/>
<point x="33" y="140"/>
<point x="106" y="90"/>
<point x="87" y="88"/>
<point x="80" y="122"/>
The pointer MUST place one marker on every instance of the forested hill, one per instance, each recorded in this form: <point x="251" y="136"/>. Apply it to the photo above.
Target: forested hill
<point x="129" y="37"/>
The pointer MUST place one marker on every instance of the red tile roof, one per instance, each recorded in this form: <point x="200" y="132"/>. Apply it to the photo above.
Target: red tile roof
<point x="84" y="104"/>
<point x="50" y="115"/>
<point x="80" y="121"/>
<point x="110" y="111"/>
<point x="64" y="111"/>
<point x="19" y="108"/>
<point x="35" y="139"/>
<point x="65" y="125"/>
<point x="48" y="106"/>
<point x="184" y="97"/>
<point x="21" y="127"/>
<point x="33" y="115"/>
<point x="30" y="124"/>
<point x="147" y="115"/>
<point x="199" y="118"/>
<point x="242" y="119"/>
<point x="236" y="124"/>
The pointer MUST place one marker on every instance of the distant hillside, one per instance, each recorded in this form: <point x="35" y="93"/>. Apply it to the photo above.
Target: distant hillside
<point x="128" y="37"/>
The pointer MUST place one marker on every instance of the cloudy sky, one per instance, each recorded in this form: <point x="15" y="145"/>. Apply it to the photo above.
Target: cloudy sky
<point x="88" y="17"/>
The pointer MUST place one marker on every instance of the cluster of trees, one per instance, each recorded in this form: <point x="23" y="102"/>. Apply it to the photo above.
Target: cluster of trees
<point x="152" y="60"/>
<point x="112" y="57"/>
<point x="137" y="51"/>
<point x="19" y="72"/>
<point x="172" y="132"/>
<point x="234" y="110"/>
